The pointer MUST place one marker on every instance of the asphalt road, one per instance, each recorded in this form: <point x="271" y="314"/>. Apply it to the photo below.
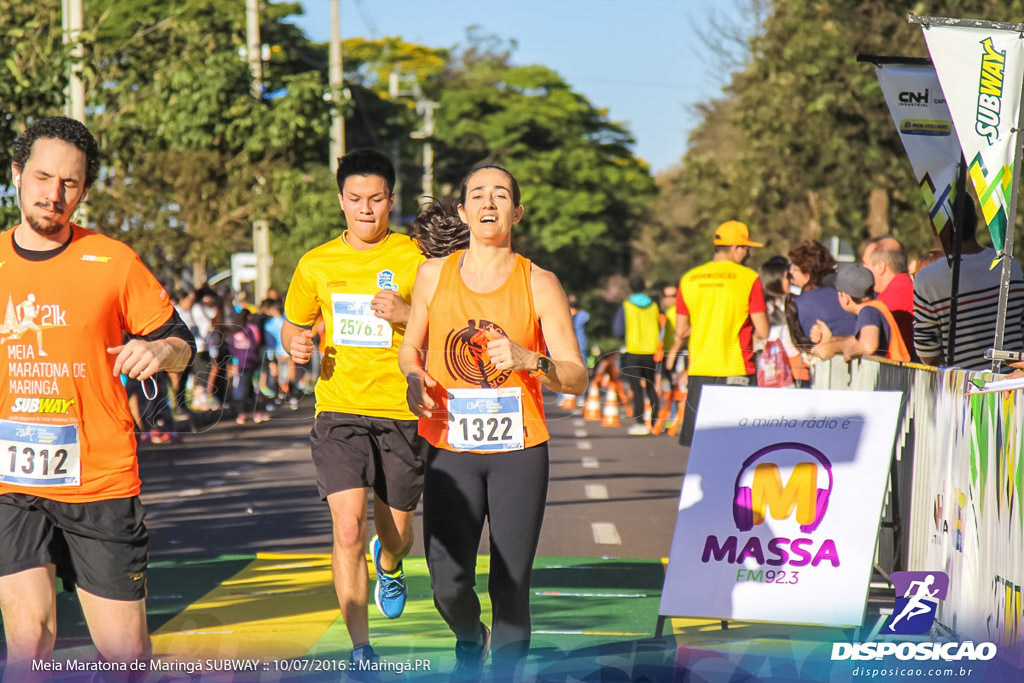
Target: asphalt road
<point x="245" y="489"/>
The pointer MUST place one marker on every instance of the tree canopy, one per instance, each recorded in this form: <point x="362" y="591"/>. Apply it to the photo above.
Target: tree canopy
<point x="801" y="144"/>
<point x="190" y="157"/>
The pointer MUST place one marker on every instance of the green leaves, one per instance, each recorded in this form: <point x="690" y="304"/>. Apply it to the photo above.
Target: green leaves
<point x="190" y="157"/>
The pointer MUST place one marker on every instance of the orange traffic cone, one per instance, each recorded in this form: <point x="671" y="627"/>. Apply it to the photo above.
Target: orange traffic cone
<point x="648" y="410"/>
<point x="679" y="398"/>
<point x="592" y="408"/>
<point x="610" y="413"/>
<point x="624" y="395"/>
<point x="568" y="402"/>
<point x="664" y="413"/>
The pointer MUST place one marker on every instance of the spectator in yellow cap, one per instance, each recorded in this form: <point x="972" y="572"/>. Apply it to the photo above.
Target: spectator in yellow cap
<point x="720" y="308"/>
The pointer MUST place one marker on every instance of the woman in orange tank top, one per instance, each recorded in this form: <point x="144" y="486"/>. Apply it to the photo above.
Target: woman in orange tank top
<point x="474" y="357"/>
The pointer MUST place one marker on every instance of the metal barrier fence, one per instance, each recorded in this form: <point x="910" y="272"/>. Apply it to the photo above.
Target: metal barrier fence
<point x="956" y="496"/>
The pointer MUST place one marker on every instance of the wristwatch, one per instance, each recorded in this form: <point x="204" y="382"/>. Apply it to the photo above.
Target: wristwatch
<point x="543" y="367"/>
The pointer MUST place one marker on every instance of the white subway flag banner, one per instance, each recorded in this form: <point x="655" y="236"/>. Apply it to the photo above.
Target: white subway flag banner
<point x="981" y="71"/>
<point x="925" y="127"/>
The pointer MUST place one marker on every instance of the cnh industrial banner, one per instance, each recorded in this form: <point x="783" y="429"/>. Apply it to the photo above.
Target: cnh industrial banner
<point x="919" y="110"/>
<point x="981" y="71"/>
<point x="780" y="506"/>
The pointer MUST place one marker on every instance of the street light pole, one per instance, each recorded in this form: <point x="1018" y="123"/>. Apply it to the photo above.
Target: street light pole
<point x="74" y="103"/>
<point x="260" y="228"/>
<point x="426" y="108"/>
<point x="337" y="88"/>
<point x="252" y="47"/>
<point x="72" y="19"/>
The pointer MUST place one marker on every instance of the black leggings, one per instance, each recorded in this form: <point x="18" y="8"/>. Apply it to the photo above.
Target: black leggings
<point x="510" y="490"/>
<point x="641" y="367"/>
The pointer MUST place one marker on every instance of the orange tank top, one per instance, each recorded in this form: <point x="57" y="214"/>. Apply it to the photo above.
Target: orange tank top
<point x="482" y="409"/>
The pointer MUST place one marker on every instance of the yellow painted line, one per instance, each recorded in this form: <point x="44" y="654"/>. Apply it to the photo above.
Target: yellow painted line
<point x="645" y="634"/>
<point x="276" y="607"/>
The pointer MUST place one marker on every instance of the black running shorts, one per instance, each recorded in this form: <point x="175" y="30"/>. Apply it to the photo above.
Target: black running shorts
<point x="356" y="451"/>
<point x="101" y="546"/>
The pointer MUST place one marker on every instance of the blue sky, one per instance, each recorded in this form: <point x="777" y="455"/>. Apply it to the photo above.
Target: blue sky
<point x="642" y="60"/>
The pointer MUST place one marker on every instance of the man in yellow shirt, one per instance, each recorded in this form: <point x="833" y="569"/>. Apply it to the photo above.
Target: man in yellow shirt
<point x="720" y="307"/>
<point x="364" y="436"/>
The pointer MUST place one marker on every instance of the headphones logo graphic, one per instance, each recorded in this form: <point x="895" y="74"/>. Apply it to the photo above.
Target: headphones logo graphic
<point x="769" y="493"/>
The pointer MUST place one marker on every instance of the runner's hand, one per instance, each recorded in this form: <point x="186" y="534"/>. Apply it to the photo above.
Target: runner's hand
<point x="417" y="393"/>
<point x="301" y="347"/>
<point x="139" y="359"/>
<point x="389" y="305"/>
<point x="505" y="354"/>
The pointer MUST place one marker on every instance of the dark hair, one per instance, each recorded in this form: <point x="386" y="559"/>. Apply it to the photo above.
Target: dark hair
<point x="66" y="130"/>
<point x="773" y="273"/>
<point x="366" y="161"/>
<point x="637" y="284"/>
<point x="814" y="259"/>
<point x="889" y="250"/>
<point x="516" y="196"/>
<point x="438" y="230"/>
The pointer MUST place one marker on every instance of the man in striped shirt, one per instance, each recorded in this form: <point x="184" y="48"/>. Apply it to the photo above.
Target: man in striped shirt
<point x="977" y="306"/>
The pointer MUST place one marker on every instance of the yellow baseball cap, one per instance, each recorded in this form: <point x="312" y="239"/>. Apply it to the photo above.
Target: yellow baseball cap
<point x="734" y="233"/>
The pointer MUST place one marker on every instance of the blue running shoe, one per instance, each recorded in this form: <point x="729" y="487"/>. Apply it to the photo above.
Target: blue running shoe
<point x="390" y="592"/>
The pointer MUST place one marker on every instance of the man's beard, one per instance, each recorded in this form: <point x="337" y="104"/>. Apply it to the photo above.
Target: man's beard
<point x="48" y="229"/>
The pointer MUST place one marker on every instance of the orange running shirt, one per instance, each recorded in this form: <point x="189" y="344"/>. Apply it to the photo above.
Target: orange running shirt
<point x="460" y="324"/>
<point x="65" y="430"/>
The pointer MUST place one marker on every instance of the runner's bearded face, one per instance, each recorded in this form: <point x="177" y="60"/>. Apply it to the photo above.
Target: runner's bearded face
<point x="489" y="210"/>
<point x="366" y="203"/>
<point x="50" y="186"/>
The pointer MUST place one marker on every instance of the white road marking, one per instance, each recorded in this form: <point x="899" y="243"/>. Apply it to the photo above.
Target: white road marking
<point x="584" y="445"/>
<point x="590" y="463"/>
<point x="596" y="491"/>
<point x="605" y="533"/>
<point x="581" y="433"/>
<point x="579" y="422"/>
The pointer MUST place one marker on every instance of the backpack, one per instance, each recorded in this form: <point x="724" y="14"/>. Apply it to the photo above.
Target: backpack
<point x="773" y="369"/>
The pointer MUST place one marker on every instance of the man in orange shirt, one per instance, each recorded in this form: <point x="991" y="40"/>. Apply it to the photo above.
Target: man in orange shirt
<point x="69" y="478"/>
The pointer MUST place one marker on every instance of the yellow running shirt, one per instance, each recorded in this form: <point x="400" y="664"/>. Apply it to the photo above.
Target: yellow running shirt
<point x="359" y="372"/>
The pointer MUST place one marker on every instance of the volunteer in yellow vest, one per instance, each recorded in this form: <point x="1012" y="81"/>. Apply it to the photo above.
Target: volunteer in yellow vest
<point x="876" y="331"/>
<point x="474" y="356"/>
<point x="364" y="435"/>
<point x="637" y="321"/>
<point x="720" y="308"/>
<point x="69" y="481"/>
